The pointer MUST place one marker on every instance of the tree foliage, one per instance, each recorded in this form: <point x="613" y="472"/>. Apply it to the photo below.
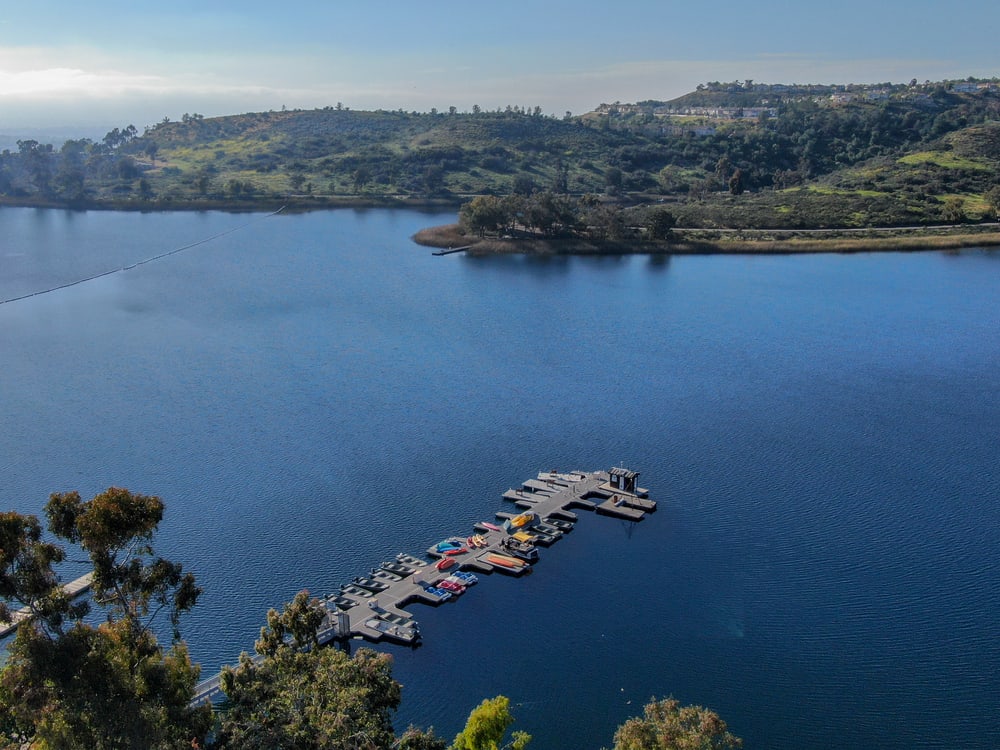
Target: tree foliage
<point x="298" y="695"/>
<point x="69" y="684"/>
<point x="667" y="725"/>
<point x="486" y="727"/>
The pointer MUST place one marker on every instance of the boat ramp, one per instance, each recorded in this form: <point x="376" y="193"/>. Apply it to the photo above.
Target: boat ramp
<point x="371" y="606"/>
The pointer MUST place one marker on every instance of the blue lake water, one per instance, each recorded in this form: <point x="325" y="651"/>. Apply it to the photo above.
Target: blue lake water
<point x="312" y="393"/>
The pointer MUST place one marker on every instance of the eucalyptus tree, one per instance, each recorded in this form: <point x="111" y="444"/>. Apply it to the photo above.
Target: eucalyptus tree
<point x="68" y="683"/>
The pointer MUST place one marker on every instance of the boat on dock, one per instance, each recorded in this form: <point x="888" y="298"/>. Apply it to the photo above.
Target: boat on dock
<point x="341" y="602"/>
<point x="413" y="562"/>
<point x="351" y="590"/>
<point x="521" y="550"/>
<point x="505" y="561"/>
<point x="563" y="526"/>
<point x="372" y="585"/>
<point x="385" y="575"/>
<point x="398" y="569"/>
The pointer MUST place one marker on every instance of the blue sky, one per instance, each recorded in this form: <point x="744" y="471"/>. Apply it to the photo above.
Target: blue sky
<point x="113" y="63"/>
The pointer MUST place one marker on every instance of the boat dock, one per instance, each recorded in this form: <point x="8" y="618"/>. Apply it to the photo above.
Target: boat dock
<point x="371" y="606"/>
<point x="451" y="250"/>
<point x="72" y="589"/>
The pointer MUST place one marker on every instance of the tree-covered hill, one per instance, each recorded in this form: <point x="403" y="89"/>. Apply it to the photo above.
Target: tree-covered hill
<point x="734" y="154"/>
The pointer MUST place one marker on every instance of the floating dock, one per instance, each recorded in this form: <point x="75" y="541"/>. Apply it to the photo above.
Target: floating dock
<point x="371" y="607"/>
<point x="72" y="589"/>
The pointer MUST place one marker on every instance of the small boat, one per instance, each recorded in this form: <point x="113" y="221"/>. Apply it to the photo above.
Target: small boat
<point x="398" y="568"/>
<point x="445" y="563"/>
<point x="521" y="520"/>
<point x="466" y="579"/>
<point x="454" y="551"/>
<point x="452" y="586"/>
<point x="370" y="584"/>
<point x="385" y="575"/>
<point x="480" y="541"/>
<point x="341" y="602"/>
<point x="521" y="550"/>
<point x="355" y="591"/>
<point x="446" y="545"/>
<point x="560" y="524"/>
<point x="504" y="561"/>
<point x="545" y="528"/>
<point x="439" y="594"/>
<point x="490" y="526"/>
<point x="413" y="562"/>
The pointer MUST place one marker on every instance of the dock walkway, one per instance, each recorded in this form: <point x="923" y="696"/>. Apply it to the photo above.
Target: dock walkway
<point x="73" y="589"/>
<point x="371" y="607"/>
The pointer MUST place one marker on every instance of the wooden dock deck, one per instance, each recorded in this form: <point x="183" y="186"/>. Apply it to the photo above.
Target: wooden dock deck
<point x="372" y="607"/>
<point x="73" y="589"/>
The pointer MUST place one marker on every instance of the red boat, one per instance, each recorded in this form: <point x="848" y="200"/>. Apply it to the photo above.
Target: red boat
<point x="451" y="552"/>
<point x="445" y="563"/>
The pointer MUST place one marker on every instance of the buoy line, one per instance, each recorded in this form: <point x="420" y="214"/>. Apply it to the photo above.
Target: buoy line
<point x="141" y="262"/>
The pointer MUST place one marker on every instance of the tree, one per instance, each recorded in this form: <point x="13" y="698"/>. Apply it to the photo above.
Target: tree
<point x="299" y="695"/>
<point x="68" y="684"/>
<point x="486" y="726"/>
<point x="954" y="209"/>
<point x="659" y="223"/>
<point x="736" y="183"/>
<point x="484" y="213"/>
<point x="613" y="180"/>
<point x="992" y="198"/>
<point x="666" y="725"/>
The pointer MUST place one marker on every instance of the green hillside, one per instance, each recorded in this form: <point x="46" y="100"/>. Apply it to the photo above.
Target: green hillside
<point x="726" y="155"/>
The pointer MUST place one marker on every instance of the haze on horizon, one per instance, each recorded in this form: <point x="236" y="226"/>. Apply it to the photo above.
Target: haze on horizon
<point x="66" y="64"/>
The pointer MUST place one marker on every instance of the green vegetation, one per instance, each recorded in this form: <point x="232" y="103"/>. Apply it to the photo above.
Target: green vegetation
<point x="724" y="156"/>
<point x="667" y="725"/>
<point x="69" y="685"/>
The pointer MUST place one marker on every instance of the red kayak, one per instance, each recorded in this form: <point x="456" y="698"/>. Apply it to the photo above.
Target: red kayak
<point x="451" y="552"/>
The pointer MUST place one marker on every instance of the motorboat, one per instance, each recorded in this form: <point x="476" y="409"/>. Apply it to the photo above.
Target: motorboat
<point x="558" y="523"/>
<point x="353" y="590"/>
<point x="413" y="562"/>
<point x="370" y="584"/>
<point x="521" y="550"/>
<point x="384" y="575"/>
<point x="398" y="568"/>
<point x="341" y="602"/>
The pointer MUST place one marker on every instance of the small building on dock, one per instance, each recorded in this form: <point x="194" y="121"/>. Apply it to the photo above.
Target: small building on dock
<point x="624" y="480"/>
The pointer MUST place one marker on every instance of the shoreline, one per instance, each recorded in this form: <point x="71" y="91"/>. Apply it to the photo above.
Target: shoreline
<point x="709" y="242"/>
<point x="289" y="204"/>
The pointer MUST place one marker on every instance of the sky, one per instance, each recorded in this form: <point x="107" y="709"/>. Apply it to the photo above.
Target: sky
<point x="66" y="63"/>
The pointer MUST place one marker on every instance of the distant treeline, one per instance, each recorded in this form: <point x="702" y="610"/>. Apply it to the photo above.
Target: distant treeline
<point x="895" y="155"/>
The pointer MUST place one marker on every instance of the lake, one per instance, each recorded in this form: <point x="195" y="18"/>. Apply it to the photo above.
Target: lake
<point x="312" y="393"/>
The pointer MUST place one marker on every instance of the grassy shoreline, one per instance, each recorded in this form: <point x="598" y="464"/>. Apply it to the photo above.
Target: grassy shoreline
<point x="705" y="242"/>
